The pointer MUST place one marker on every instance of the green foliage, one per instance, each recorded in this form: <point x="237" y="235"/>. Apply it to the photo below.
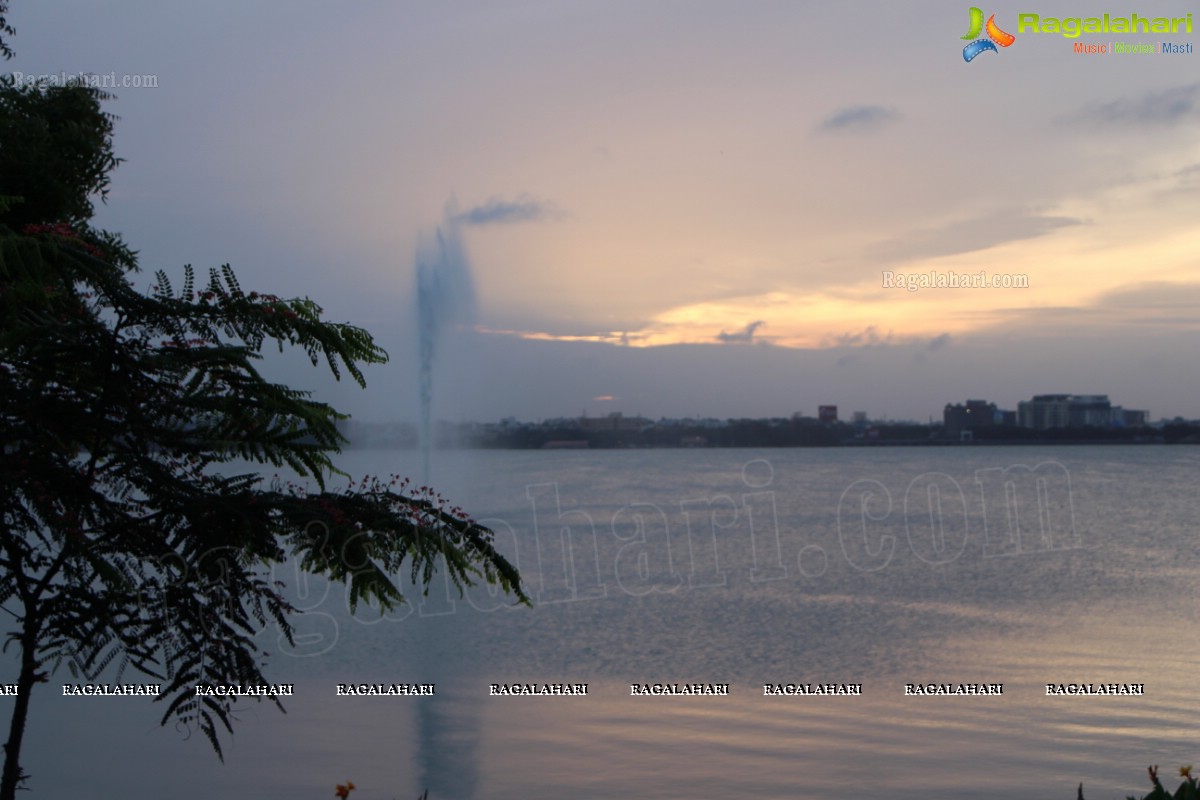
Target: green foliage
<point x="125" y="544"/>
<point x="1188" y="789"/>
<point x="56" y="154"/>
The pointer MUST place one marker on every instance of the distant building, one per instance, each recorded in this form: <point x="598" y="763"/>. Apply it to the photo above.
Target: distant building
<point x="976" y="414"/>
<point x="1047" y="411"/>
<point x="615" y="421"/>
<point x="859" y="418"/>
<point x="827" y="413"/>
<point x="1129" y="418"/>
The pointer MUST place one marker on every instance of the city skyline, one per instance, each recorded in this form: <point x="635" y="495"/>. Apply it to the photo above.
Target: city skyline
<point x="1040" y="412"/>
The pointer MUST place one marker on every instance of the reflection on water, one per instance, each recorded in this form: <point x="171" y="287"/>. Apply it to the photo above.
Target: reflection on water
<point x="448" y="744"/>
<point x="749" y="567"/>
<point x="448" y="733"/>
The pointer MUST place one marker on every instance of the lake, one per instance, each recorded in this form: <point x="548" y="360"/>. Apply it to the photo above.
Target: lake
<point x="878" y="567"/>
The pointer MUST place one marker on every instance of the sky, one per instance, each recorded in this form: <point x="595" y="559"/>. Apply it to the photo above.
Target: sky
<point x="669" y="208"/>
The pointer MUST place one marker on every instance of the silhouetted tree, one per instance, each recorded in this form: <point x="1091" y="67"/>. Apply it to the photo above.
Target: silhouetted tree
<point x="122" y="545"/>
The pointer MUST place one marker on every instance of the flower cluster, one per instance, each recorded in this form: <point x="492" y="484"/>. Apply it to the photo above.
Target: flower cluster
<point x="62" y="230"/>
<point x="418" y="511"/>
<point x="343" y="789"/>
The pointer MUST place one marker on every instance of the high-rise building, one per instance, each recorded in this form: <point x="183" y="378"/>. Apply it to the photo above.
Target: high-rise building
<point x="1047" y="411"/>
<point x="974" y="415"/>
<point x="1129" y="418"/>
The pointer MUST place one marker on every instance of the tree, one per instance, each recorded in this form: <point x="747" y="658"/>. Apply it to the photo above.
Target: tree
<point x="5" y="30"/>
<point x="122" y="547"/>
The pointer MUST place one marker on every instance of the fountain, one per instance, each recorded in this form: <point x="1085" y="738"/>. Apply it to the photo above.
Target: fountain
<point x="447" y="731"/>
<point x="445" y="298"/>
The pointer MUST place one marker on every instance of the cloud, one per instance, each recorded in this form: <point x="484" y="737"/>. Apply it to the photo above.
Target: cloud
<point x="939" y="341"/>
<point x="746" y="334"/>
<point x="1168" y="107"/>
<point x="1188" y="178"/>
<point x="1169" y="304"/>
<point x="860" y="119"/>
<point x="1158" y="303"/>
<point x="968" y="235"/>
<point x="867" y="337"/>
<point x="1131" y="310"/>
<point x="502" y="212"/>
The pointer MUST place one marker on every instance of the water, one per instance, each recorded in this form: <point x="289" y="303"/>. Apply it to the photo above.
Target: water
<point x="880" y="567"/>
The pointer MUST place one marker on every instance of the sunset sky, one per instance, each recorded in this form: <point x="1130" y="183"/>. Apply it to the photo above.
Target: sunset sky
<point x="672" y="208"/>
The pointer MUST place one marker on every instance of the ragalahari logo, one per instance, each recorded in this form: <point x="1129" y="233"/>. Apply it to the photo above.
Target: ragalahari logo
<point x="995" y="35"/>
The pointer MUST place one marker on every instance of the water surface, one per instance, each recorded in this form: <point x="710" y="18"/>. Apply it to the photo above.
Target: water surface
<point x="875" y="566"/>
